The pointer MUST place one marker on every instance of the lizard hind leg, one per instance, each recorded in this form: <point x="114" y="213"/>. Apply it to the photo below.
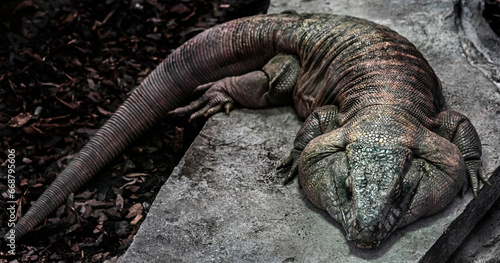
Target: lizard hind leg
<point x="271" y="86"/>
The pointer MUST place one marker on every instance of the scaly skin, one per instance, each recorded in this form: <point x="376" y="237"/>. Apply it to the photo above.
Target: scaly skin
<point x="375" y="152"/>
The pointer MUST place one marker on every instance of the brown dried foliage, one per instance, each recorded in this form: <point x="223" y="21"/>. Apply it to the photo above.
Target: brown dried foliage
<point x="63" y="70"/>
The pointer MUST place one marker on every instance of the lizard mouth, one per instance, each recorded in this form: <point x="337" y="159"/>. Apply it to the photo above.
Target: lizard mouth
<point x="367" y="237"/>
<point x="366" y="234"/>
<point x="361" y="235"/>
<point x="363" y="245"/>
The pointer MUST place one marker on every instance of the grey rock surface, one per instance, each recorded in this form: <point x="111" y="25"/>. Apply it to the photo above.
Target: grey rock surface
<point x="225" y="202"/>
<point x="482" y="48"/>
<point x="483" y="242"/>
<point x="478" y="33"/>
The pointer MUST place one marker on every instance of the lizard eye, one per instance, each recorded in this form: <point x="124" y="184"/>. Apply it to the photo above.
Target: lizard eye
<point x="348" y="184"/>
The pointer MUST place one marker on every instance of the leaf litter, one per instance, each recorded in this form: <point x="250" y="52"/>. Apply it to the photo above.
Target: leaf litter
<point x="64" y="70"/>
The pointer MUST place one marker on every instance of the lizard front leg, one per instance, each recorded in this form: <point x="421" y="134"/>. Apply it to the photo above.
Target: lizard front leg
<point x="271" y="86"/>
<point x="446" y="156"/>
<point x="458" y="129"/>
<point x="321" y="121"/>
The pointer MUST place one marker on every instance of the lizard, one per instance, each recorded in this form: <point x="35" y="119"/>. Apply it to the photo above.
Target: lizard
<point x="377" y="149"/>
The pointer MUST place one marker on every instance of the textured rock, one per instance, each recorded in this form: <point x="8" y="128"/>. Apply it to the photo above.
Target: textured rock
<point x="482" y="49"/>
<point x="477" y="31"/>
<point x="225" y="203"/>
<point x="483" y="242"/>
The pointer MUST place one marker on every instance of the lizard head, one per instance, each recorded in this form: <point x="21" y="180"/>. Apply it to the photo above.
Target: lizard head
<point x="378" y="191"/>
<point x="365" y="188"/>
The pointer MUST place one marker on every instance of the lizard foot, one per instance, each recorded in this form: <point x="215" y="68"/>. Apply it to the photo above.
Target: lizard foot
<point x="475" y="172"/>
<point x="213" y="100"/>
<point x="290" y="166"/>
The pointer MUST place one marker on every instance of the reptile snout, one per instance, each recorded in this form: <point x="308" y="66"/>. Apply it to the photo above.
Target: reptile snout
<point x="366" y="234"/>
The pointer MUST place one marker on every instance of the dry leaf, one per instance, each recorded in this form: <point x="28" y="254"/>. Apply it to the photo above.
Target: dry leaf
<point x="134" y="210"/>
<point x="20" y="120"/>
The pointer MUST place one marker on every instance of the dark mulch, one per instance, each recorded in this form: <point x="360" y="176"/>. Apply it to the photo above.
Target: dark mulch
<point x="65" y="66"/>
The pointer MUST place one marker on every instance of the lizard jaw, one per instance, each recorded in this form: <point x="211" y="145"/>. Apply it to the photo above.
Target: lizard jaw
<point x="362" y="245"/>
<point x="370" y="236"/>
<point x="362" y="236"/>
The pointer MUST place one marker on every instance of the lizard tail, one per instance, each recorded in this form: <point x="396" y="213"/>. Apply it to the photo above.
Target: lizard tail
<point x="145" y="106"/>
<point x="209" y="56"/>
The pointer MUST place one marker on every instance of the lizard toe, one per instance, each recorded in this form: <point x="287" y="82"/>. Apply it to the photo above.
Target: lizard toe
<point x="476" y="173"/>
<point x="290" y="166"/>
<point x="213" y="100"/>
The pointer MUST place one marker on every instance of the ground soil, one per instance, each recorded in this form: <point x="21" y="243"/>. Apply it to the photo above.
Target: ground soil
<point x="64" y="68"/>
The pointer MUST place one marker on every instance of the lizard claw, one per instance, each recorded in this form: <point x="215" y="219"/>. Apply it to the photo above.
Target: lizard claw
<point x="290" y="166"/>
<point x="476" y="173"/>
<point x="213" y="100"/>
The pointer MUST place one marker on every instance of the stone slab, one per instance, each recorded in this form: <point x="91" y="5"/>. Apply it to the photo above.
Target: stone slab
<point x="481" y="46"/>
<point x="224" y="202"/>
